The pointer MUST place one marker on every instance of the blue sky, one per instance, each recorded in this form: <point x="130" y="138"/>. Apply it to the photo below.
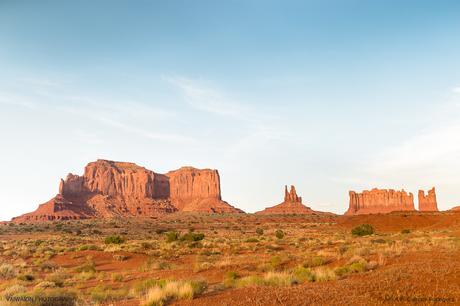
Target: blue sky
<point x="329" y="96"/>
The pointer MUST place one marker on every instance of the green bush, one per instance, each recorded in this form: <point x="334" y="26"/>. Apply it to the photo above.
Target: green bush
<point x="192" y="237"/>
<point x="252" y="240"/>
<point x="405" y="231"/>
<point x="259" y="231"/>
<point x="114" y="239"/>
<point x="279" y="234"/>
<point x="362" y="230"/>
<point x="172" y="236"/>
<point x="86" y="247"/>
<point x="304" y="274"/>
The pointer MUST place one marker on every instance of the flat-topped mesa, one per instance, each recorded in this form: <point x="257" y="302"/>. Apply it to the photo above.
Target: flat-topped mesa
<point x="127" y="180"/>
<point x="198" y="190"/>
<point x="109" y="188"/>
<point x="292" y="205"/>
<point x="379" y="201"/>
<point x="428" y="202"/>
<point x="188" y="184"/>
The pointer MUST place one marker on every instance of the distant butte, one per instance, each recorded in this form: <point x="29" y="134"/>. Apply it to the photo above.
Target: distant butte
<point x="292" y="204"/>
<point x="378" y="201"/>
<point x="428" y="202"/>
<point x="108" y="189"/>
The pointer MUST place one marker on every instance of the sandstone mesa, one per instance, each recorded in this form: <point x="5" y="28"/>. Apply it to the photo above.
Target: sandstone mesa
<point x="388" y="200"/>
<point x="109" y="189"/>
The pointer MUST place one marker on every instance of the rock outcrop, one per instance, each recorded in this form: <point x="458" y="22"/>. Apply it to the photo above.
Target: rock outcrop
<point x="379" y="201"/>
<point x="109" y="189"/>
<point x="292" y="204"/>
<point x="428" y="202"/>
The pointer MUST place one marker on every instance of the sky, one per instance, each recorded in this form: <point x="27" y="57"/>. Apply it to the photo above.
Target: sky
<point x="329" y="96"/>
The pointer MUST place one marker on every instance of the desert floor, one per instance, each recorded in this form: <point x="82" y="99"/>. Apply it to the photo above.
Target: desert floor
<point x="194" y="259"/>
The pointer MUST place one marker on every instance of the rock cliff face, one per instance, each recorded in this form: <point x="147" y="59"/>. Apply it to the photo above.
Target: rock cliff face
<point x="110" y="188"/>
<point x="428" y="202"/>
<point x="292" y="204"/>
<point x="188" y="184"/>
<point x="379" y="201"/>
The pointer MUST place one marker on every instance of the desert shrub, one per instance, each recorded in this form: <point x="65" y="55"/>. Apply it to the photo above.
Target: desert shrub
<point x="192" y="237"/>
<point x="120" y="257"/>
<point x="279" y="234"/>
<point x="26" y="277"/>
<point x="45" y="285"/>
<point x="202" y="266"/>
<point x="13" y="290"/>
<point x="170" y="290"/>
<point x="88" y="266"/>
<point x="230" y="278"/>
<point x="117" y="277"/>
<point x="276" y="262"/>
<point x="195" y="244"/>
<point x="362" y="230"/>
<point x="162" y="265"/>
<point x="172" y="236"/>
<point x="314" y="261"/>
<point x="114" y="239"/>
<point x="275" y="279"/>
<point x="101" y="294"/>
<point x="7" y="271"/>
<point x="147" y="245"/>
<point x="303" y="274"/>
<point x="355" y="265"/>
<point x="112" y="248"/>
<point x="259" y="231"/>
<point x="343" y="249"/>
<point x="58" y="278"/>
<point x="85" y="276"/>
<point x="324" y="274"/>
<point x="252" y="240"/>
<point x="86" y="247"/>
<point x="405" y="231"/>
<point x="142" y="287"/>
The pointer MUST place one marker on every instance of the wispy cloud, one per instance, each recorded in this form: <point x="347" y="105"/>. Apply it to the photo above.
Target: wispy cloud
<point x="202" y="96"/>
<point x="115" y="119"/>
<point x="17" y="100"/>
<point x="136" y="117"/>
<point x="456" y="90"/>
<point x="438" y="147"/>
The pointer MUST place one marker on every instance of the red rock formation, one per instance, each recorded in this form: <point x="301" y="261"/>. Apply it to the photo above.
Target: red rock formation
<point x="292" y="205"/>
<point x="110" y="188"/>
<point x="58" y="208"/>
<point x="188" y="184"/>
<point x="192" y="189"/>
<point x="379" y="201"/>
<point x="428" y="202"/>
<point x="291" y="196"/>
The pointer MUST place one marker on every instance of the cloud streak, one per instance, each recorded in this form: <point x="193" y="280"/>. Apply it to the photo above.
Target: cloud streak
<point x="202" y="96"/>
